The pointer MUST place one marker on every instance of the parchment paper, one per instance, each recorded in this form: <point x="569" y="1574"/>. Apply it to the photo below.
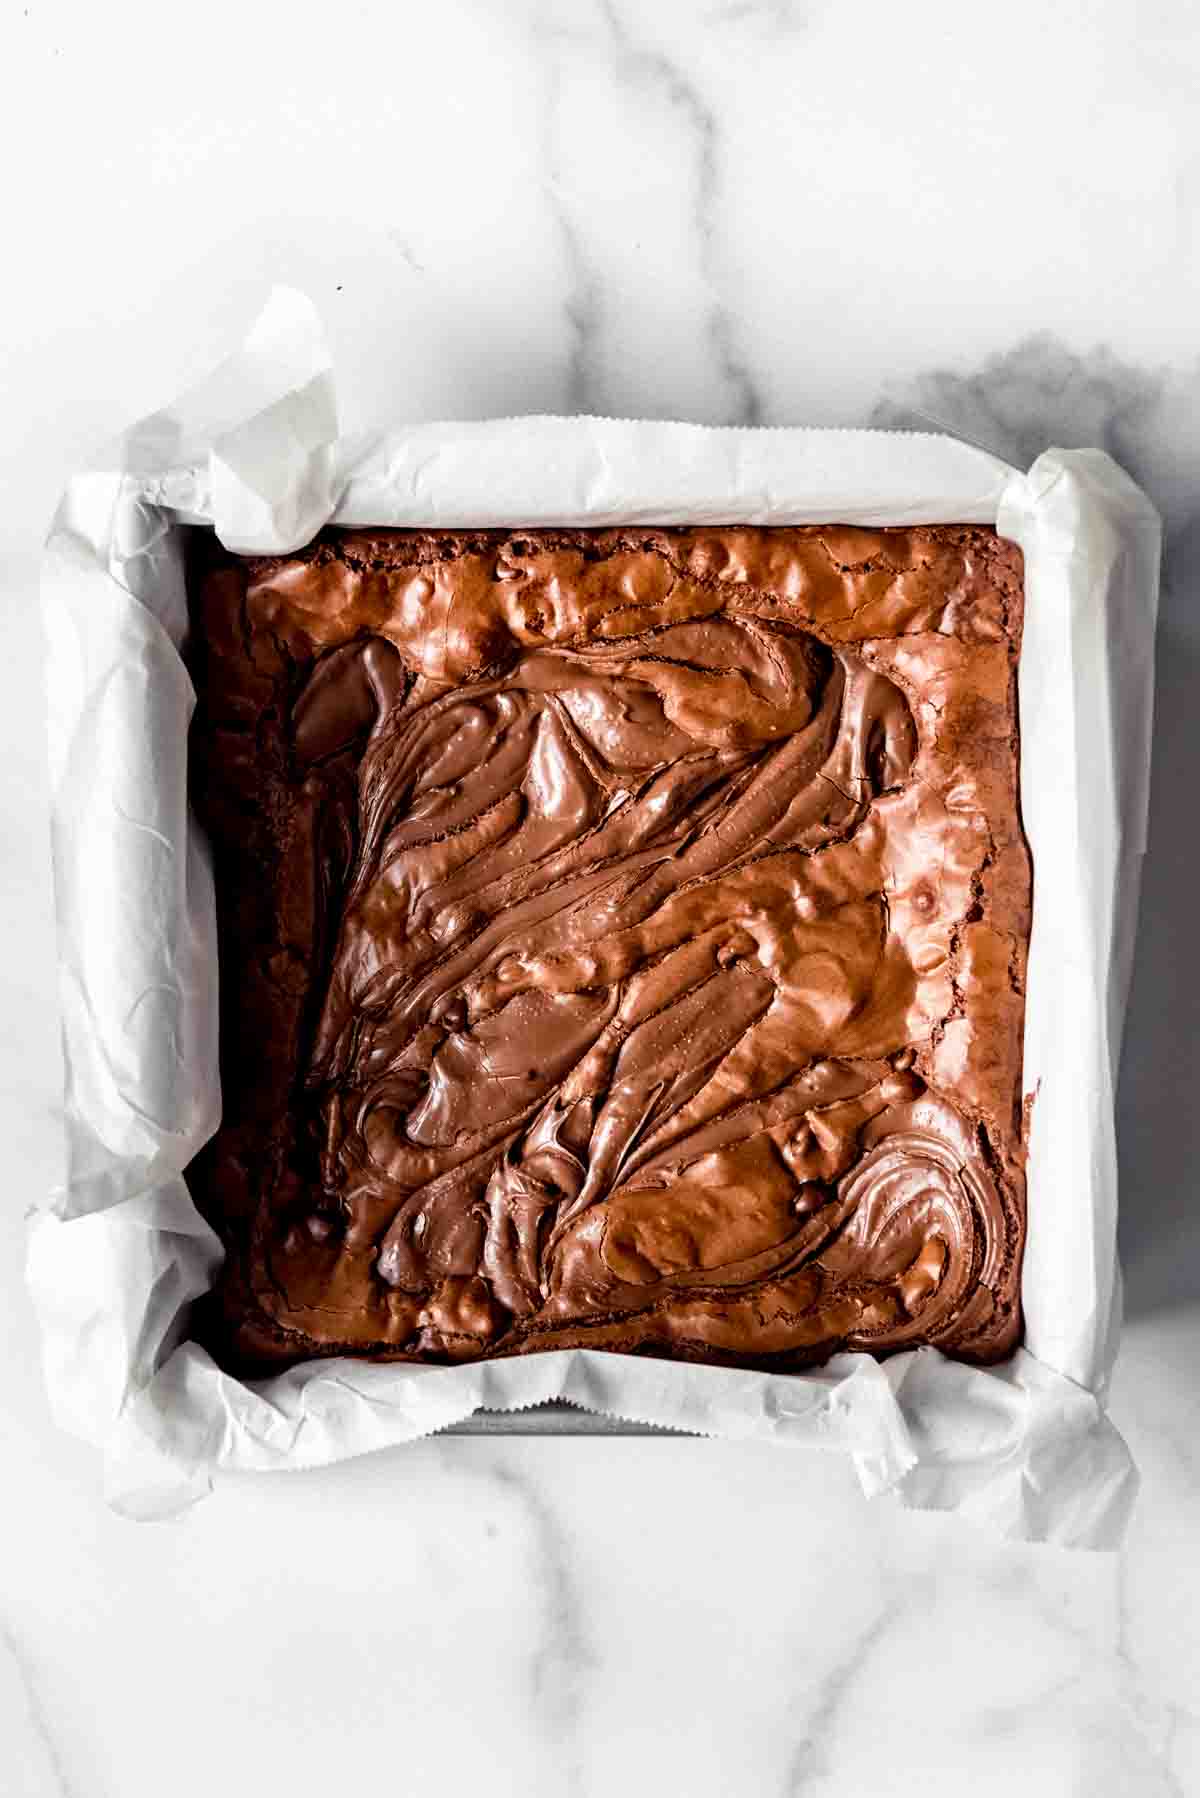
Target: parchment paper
<point x="119" y="1251"/>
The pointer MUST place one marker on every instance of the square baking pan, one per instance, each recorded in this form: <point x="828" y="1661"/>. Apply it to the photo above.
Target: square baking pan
<point x="121" y="1253"/>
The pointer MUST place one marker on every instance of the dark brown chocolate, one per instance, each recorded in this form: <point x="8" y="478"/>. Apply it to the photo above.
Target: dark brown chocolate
<point x="622" y="942"/>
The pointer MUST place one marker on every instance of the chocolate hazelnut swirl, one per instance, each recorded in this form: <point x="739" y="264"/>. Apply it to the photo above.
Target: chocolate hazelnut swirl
<point x="622" y="942"/>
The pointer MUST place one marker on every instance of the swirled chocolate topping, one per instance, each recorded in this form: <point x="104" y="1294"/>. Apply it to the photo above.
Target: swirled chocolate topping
<point x="622" y="942"/>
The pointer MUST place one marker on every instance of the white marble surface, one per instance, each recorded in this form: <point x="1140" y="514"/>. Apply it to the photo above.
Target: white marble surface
<point x="765" y="210"/>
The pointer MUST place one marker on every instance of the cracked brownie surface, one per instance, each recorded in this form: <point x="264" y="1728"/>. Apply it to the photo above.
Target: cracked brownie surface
<point x="622" y="942"/>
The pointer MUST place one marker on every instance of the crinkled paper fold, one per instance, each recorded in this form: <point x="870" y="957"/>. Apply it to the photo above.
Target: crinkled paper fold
<point x="120" y="1251"/>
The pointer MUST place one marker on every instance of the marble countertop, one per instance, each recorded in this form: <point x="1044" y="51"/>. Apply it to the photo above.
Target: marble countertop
<point x="758" y="211"/>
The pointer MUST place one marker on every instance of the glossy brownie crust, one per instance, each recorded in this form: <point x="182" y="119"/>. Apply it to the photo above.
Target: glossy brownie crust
<point x="622" y="942"/>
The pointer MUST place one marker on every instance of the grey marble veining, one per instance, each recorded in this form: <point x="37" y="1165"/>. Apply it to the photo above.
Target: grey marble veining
<point x="653" y="77"/>
<point x="812" y="1761"/>
<point x="563" y="1656"/>
<point x="641" y="81"/>
<point x="30" y="1736"/>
